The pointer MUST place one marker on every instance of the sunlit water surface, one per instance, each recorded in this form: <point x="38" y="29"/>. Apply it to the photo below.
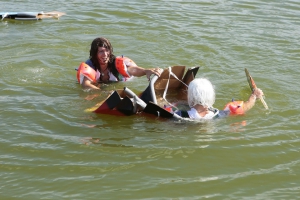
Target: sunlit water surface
<point x="52" y="149"/>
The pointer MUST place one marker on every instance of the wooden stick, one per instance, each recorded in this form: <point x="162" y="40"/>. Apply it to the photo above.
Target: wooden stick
<point x="253" y="87"/>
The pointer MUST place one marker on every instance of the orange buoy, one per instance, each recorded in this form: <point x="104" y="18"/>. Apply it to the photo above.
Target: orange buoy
<point x="85" y="70"/>
<point x="235" y="107"/>
<point x="121" y="65"/>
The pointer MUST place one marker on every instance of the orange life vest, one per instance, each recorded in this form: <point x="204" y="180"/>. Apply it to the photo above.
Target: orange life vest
<point x="235" y="107"/>
<point x="85" y="70"/>
<point x="121" y="65"/>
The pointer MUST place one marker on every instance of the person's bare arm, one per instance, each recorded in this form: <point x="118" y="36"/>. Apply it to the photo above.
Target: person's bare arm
<point x="139" y="71"/>
<point x="87" y="84"/>
<point x="257" y="93"/>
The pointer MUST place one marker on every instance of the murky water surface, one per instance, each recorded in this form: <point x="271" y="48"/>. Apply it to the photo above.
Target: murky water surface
<point x="52" y="149"/>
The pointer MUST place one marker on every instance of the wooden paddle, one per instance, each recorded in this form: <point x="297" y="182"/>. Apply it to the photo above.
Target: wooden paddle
<point x="253" y="87"/>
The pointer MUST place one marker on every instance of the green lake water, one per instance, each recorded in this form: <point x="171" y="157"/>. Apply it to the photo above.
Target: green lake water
<point x="52" y="149"/>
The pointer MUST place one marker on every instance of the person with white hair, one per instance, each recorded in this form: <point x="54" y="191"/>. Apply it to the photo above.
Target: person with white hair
<point x="201" y="97"/>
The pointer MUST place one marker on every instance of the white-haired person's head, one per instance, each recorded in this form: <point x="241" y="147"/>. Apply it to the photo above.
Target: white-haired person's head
<point x="201" y="92"/>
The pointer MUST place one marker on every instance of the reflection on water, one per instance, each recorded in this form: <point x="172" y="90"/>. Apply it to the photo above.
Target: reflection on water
<point x="98" y="141"/>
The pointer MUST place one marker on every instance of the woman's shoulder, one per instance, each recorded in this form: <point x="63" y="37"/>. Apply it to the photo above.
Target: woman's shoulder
<point x="126" y="60"/>
<point x="192" y="114"/>
<point x="90" y="63"/>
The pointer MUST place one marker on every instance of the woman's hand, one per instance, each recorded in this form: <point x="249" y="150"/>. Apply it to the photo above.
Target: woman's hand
<point x="87" y="84"/>
<point x="258" y="93"/>
<point x="156" y="71"/>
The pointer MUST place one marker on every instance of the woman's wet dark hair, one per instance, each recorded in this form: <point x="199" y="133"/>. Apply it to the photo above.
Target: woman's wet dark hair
<point x="103" y="42"/>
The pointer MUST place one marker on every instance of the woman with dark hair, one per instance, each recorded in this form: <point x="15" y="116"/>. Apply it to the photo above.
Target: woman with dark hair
<point x="103" y="66"/>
